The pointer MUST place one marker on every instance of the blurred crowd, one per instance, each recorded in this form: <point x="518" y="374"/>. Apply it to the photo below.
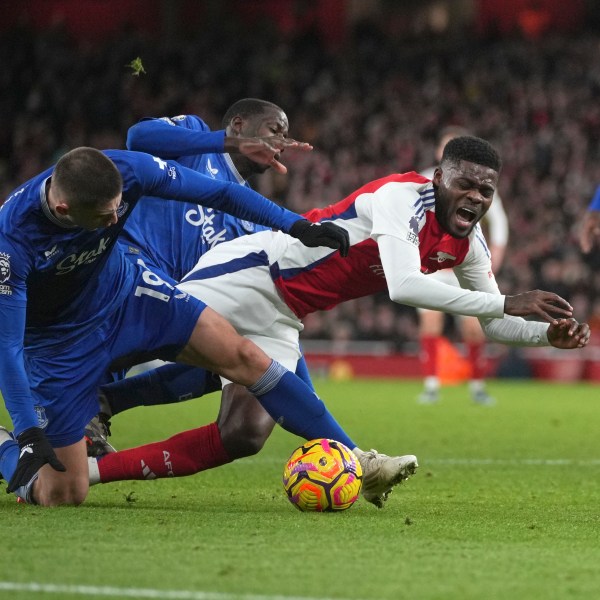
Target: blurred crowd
<point x="370" y="107"/>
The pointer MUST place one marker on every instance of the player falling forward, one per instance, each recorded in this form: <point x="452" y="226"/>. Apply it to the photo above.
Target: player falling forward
<point x="401" y="228"/>
<point x="431" y="323"/>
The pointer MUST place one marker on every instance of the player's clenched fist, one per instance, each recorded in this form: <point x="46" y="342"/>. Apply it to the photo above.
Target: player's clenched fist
<point x="568" y="334"/>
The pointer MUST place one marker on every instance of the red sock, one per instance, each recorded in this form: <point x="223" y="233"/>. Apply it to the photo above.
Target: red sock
<point x="183" y="454"/>
<point x="428" y="355"/>
<point x="477" y="359"/>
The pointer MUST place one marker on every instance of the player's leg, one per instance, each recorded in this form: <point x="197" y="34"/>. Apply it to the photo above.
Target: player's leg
<point x="63" y="389"/>
<point x="244" y="424"/>
<point x="49" y="487"/>
<point x="431" y="326"/>
<point x="474" y="339"/>
<point x="215" y="345"/>
<point x="167" y="384"/>
<point x="241" y="429"/>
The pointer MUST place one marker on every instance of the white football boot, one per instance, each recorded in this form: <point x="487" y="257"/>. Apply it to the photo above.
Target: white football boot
<point x="382" y="472"/>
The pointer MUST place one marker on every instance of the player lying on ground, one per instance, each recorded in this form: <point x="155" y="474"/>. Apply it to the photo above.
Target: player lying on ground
<point x="401" y="228"/>
<point x="71" y="304"/>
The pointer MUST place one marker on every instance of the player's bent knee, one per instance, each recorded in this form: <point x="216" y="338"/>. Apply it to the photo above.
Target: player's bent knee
<point x="251" y="355"/>
<point x="70" y="492"/>
<point x="242" y="443"/>
<point x="247" y="437"/>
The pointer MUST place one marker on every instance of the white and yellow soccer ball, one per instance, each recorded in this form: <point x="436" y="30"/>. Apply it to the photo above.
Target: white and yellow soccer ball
<point x="322" y="475"/>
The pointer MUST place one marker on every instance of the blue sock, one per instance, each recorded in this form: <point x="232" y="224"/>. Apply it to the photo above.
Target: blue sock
<point x="9" y="455"/>
<point x="303" y="373"/>
<point x="294" y="406"/>
<point x="166" y="385"/>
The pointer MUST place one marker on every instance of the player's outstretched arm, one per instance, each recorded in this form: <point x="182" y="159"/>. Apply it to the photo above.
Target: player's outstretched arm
<point x="547" y="305"/>
<point x="568" y="334"/>
<point x="325" y="234"/>
<point x="264" y="150"/>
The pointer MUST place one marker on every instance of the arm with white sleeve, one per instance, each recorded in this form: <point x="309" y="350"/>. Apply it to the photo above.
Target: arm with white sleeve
<point x="407" y="285"/>
<point x="394" y="209"/>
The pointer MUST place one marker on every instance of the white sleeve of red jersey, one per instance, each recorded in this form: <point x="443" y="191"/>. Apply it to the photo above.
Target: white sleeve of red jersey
<point x="475" y="273"/>
<point x="407" y="285"/>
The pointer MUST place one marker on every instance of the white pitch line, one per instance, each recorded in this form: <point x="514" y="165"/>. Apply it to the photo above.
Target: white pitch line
<point x="116" y="592"/>
<point x="546" y="462"/>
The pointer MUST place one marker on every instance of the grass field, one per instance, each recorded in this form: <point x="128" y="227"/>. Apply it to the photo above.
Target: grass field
<point x="506" y="504"/>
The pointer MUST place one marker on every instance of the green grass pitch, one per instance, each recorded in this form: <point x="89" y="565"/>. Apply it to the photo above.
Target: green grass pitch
<point x="506" y="504"/>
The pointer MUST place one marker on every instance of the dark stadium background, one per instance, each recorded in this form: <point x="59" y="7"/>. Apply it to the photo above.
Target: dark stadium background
<point x="369" y="83"/>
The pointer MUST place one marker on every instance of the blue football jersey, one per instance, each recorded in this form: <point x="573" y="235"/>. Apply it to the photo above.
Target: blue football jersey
<point x="58" y="282"/>
<point x="173" y="236"/>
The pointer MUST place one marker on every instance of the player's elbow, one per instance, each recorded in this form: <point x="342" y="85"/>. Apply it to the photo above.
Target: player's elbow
<point x="402" y="295"/>
<point x="134" y="137"/>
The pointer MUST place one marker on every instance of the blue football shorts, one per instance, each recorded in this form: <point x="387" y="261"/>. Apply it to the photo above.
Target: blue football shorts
<point x="156" y="320"/>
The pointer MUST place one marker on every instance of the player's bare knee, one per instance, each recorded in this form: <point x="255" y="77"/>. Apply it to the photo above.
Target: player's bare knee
<point x="245" y="438"/>
<point x="250" y="355"/>
<point x="71" y="493"/>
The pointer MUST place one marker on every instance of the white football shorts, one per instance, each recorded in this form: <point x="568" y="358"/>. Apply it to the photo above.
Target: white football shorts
<point x="244" y="293"/>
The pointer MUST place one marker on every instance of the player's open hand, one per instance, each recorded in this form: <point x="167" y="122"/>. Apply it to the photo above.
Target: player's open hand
<point x="568" y="334"/>
<point x="547" y="305"/>
<point x="325" y="234"/>
<point x="589" y="233"/>
<point x="34" y="452"/>
<point x="267" y="150"/>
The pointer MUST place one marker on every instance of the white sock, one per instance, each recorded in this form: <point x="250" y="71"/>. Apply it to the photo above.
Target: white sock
<point x="476" y="385"/>
<point x="94" y="471"/>
<point x="432" y="383"/>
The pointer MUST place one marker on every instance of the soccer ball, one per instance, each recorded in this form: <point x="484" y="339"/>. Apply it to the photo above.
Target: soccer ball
<point x="322" y="475"/>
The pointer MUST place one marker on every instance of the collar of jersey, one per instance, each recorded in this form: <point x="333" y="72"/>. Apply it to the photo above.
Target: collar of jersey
<point x="46" y="208"/>
<point x="233" y="169"/>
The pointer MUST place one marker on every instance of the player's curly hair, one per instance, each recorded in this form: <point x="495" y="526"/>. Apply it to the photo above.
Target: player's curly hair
<point x="87" y="177"/>
<point x="247" y="107"/>
<point x="472" y="149"/>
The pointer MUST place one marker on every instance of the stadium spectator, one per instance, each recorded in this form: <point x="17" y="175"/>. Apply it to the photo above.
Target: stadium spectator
<point x="399" y="226"/>
<point x="372" y="106"/>
<point x="431" y="323"/>
<point x="71" y="304"/>
<point x="590" y="226"/>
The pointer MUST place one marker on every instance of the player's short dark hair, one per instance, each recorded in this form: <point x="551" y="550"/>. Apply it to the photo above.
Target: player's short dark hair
<point x="472" y="149"/>
<point x="87" y="177"/>
<point x="247" y="107"/>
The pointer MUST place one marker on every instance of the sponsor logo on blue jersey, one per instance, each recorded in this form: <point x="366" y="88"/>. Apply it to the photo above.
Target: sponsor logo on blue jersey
<point x="52" y="252"/>
<point x="67" y="264"/>
<point x="211" y="170"/>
